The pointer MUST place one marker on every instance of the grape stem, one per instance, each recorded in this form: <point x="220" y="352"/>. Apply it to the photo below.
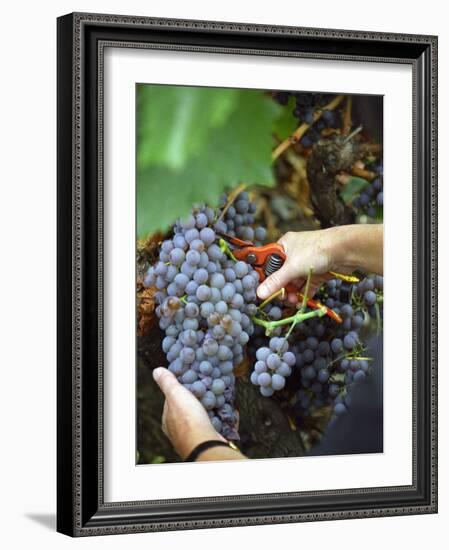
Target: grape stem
<point x="351" y="355"/>
<point x="226" y="249"/>
<point x="280" y="292"/>
<point x="306" y="291"/>
<point x="299" y="317"/>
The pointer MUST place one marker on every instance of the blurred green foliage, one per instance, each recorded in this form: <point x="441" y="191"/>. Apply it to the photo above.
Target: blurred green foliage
<point x="175" y="121"/>
<point x="285" y="124"/>
<point x="353" y="188"/>
<point x="193" y="142"/>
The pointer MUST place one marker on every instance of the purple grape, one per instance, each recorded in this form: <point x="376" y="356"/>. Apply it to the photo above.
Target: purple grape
<point x="264" y="379"/>
<point x="203" y="293"/>
<point x="207" y="235"/>
<point x="370" y="298"/>
<point x="277" y="382"/>
<point x="241" y="269"/>
<point x="177" y="256"/>
<point x="193" y="257"/>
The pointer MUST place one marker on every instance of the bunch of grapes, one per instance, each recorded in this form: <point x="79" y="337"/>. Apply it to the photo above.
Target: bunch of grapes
<point x="371" y="197"/>
<point x="328" y="358"/>
<point x="306" y="104"/>
<point x="205" y="303"/>
<point x="239" y="218"/>
<point x="274" y="364"/>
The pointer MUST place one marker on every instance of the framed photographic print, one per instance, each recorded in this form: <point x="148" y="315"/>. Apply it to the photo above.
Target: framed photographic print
<point x="253" y="209"/>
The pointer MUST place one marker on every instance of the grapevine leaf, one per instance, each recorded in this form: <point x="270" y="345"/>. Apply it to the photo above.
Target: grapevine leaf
<point x="285" y="124"/>
<point x="239" y="152"/>
<point x="352" y="189"/>
<point x="174" y="122"/>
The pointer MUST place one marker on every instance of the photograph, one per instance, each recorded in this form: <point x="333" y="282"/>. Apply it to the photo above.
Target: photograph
<point x="259" y="273"/>
<point x="225" y="356"/>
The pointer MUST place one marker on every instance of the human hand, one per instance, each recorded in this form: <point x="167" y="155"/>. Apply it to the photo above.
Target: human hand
<point x="340" y="249"/>
<point x="184" y="420"/>
<point x="304" y="251"/>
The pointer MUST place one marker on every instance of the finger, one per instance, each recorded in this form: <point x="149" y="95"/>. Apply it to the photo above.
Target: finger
<point x="166" y="380"/>
<point x="279" y="279"/>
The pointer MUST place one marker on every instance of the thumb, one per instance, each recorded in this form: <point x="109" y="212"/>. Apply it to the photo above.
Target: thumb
<point x="166" y="380"/>
<point x="279" y="279"/>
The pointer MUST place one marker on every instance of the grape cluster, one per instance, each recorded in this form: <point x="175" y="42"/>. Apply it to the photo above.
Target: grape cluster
<point x="239" y="218"/>
<point x="332" y="356"/>
<point x="368" y="293"/>
<point x="205" y="302"/>
<point x="274" y="364"/>
<point x="371" y="197"/>
<point x="306" y="104"/>
<point x="326" y="357"/>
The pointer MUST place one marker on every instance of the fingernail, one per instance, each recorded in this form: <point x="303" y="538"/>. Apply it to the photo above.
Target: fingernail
<point x="262" y="292"/>
<point x="157" y="373"/>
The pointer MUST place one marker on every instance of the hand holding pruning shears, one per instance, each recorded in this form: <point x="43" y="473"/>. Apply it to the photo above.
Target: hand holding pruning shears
<point x="268" y="261"/>
<point x="330" y="253"/>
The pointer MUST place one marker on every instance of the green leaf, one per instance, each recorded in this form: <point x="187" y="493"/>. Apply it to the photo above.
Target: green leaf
<point x="285" y="124"/>
<point x="164" y="195"/>
<point x="174" y="122"/>
<point x="239" y="152"/>
<point x="352" y="189"/>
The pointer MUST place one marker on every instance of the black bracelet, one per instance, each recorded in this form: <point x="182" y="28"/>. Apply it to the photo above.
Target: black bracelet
<point x="207" y="445"/>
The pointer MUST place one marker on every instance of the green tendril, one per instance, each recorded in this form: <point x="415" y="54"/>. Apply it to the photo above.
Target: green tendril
<point x="225" y="248"/>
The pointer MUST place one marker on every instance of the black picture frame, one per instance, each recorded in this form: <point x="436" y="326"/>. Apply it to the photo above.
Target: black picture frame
<point x="81" y="509"/>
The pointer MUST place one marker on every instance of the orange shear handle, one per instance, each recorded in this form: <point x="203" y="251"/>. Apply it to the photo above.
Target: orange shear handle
<point x="261" y="255"/>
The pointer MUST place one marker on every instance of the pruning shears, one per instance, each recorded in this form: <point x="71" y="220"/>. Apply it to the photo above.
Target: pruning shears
<point x="267" y="259"/>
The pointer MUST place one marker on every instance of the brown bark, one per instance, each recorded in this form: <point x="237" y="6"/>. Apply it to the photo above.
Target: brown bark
<point x="329" y="157"/>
